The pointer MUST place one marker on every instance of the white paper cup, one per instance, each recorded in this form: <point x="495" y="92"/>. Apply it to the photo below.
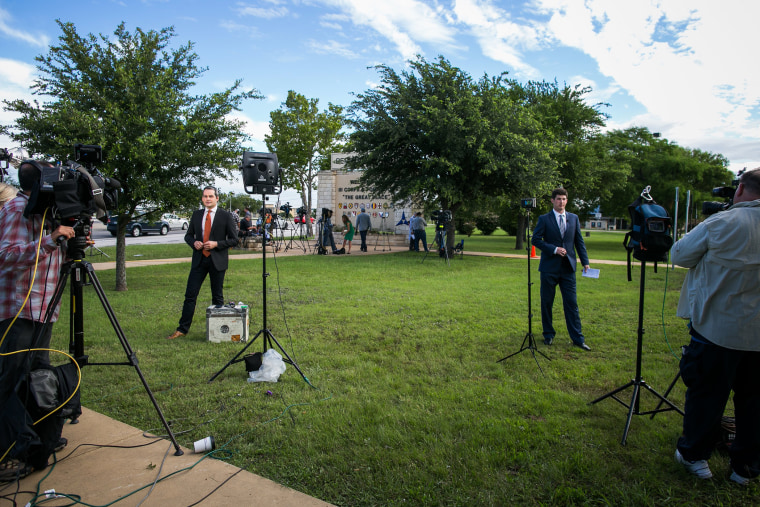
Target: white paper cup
<point x="205" y="445"/>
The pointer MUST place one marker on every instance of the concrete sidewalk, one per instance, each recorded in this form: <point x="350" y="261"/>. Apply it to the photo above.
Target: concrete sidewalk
<point x="100" y="475"/>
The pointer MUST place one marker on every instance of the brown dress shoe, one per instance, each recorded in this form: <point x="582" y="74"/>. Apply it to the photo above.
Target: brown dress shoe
<point x="175" y="334"/>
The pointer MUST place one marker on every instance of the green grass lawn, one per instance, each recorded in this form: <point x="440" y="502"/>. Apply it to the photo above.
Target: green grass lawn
<point x="409" y="405"/>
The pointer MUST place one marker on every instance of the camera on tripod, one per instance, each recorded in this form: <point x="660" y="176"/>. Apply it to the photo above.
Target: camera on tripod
<point x="74" y="191"/>
<point x="326" y="213"/>
<point x="528" y="203"/>
<point x="712" y="207"/>
<point x="442" y="218"/>
<point x="285" y="208"/>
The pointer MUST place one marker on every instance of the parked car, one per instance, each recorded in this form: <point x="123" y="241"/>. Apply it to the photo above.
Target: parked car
<point x="174" y="221"/>
<point x="297" y="219"/>
<point x="139" y="227"/>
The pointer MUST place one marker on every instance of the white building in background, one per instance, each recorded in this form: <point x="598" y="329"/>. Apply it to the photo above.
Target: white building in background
<point x="339" y="191"/>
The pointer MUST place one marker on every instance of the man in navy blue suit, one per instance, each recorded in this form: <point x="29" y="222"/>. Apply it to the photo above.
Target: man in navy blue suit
<point x="558" y="236"/>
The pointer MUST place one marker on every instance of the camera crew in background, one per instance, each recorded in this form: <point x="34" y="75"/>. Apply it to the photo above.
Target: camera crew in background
<point x="25" y="293"/>
<point x="327" y="232"/>
<point x="418" y="224"/>
<point x="363" y="225"/>
<point x="721" y="297"/>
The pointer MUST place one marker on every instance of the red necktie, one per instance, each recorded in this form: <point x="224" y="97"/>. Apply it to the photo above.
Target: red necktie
<point x="207" y="232"/>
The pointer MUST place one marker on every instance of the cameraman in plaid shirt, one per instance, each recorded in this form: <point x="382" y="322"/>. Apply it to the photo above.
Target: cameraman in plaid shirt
<point x="29" y="269"/>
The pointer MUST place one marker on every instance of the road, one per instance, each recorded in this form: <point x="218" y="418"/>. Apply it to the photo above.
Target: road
<point x="103" y="238"/>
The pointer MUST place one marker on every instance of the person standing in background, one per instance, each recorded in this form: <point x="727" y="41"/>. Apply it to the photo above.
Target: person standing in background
<point x="363" y="225"/>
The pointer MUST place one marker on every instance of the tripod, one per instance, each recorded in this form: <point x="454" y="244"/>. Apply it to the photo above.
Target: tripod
<point x="382" y="232"/>
<point x="529" y="342"/>
<point x="267" y="336"/>
<point x="637" y="383"/>
<point x="297" y="230"/>
<point x="81" y="270"/>
<point x="440" y="240"/>
<point x="100" y="252"/>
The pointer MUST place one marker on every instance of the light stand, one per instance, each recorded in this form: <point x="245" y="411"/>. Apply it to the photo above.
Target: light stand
<point x="267" y="336"/>
<point x="440" y="239"/>
<point x="298" y="230"/>
<point x="529" y="342"/>
<point x="382" y="232"/>
<point x="637" y="383"/>
<point x="81" y="270"/>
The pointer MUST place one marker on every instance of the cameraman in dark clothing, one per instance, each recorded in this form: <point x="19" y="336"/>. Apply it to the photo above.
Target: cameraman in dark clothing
<point x="30" y="260"/>
<point x="721" y="296"/>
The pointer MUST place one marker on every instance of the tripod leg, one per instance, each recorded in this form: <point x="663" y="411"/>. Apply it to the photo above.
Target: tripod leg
<point x="631" y="409"/>
<point x="128" y="351"/>
<point x="269" y="337"/>
<point x="234" y="359"/>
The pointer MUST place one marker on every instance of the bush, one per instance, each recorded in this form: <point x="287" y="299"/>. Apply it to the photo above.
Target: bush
<point x="487" y="223"/>
<point x="463" y="226"/>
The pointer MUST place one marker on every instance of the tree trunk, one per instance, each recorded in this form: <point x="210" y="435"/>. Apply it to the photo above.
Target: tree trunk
<point x="307" y="203"/>
<point x="522" y="228"/>
<point x="121" y="256"/>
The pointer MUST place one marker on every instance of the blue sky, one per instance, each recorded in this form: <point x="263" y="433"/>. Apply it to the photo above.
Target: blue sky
<point x="684" y="68"/>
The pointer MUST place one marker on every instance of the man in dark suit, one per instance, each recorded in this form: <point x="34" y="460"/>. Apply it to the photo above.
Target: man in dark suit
<point x="558" y="236"/>
<point x="211" y="232"/>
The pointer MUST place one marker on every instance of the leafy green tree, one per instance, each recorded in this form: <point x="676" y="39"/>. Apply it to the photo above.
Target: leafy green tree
<point x="233" y="201"/>
<point x="434" y="135"/>
<point x="132" y="95"/>
<point x="303" y="138"/>
<point x="585" y="168"/>
<point x="656" y="162"/>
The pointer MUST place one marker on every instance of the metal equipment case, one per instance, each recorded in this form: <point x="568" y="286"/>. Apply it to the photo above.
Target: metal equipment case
<point x="227" y="324"/>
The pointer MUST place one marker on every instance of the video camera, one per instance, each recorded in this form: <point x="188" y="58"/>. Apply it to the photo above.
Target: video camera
<point x="326" y="213"/>
<point x="285" y="208"/>
<point x="74" y="191"/>
<point x="301" y="211"/>
<point x="441" y="218"/>
<point x="712" y="207"/>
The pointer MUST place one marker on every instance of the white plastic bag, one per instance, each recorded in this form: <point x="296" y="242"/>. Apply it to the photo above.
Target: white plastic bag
<point x="272" y="366"/>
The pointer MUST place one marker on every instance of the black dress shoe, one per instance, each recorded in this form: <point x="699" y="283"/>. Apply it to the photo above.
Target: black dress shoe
<point x="582" y="346"/>
<point x="548" y="341"/>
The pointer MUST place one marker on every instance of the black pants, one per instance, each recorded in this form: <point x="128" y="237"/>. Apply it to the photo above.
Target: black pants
<point x="32" y="444"/>
<point x="194" y="282"/>
<point x="363" y="235"/>
<point x="20" y="336"/>
<point x="710" y="373"/>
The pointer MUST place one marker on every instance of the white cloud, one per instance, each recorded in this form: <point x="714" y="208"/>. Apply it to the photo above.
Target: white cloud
<point x="335" y="27"/>
<point x="16" y="74"/>
<point x="276" y="10"/>
<point x="14" y="84"/>
<point x="405" y="23"/>
<point x="332" y="47"/>
<point x="691" y="65"/>
<point x="38" y="39"/>
<point x="256" y="129"/>
<point x="500" y="38"/>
